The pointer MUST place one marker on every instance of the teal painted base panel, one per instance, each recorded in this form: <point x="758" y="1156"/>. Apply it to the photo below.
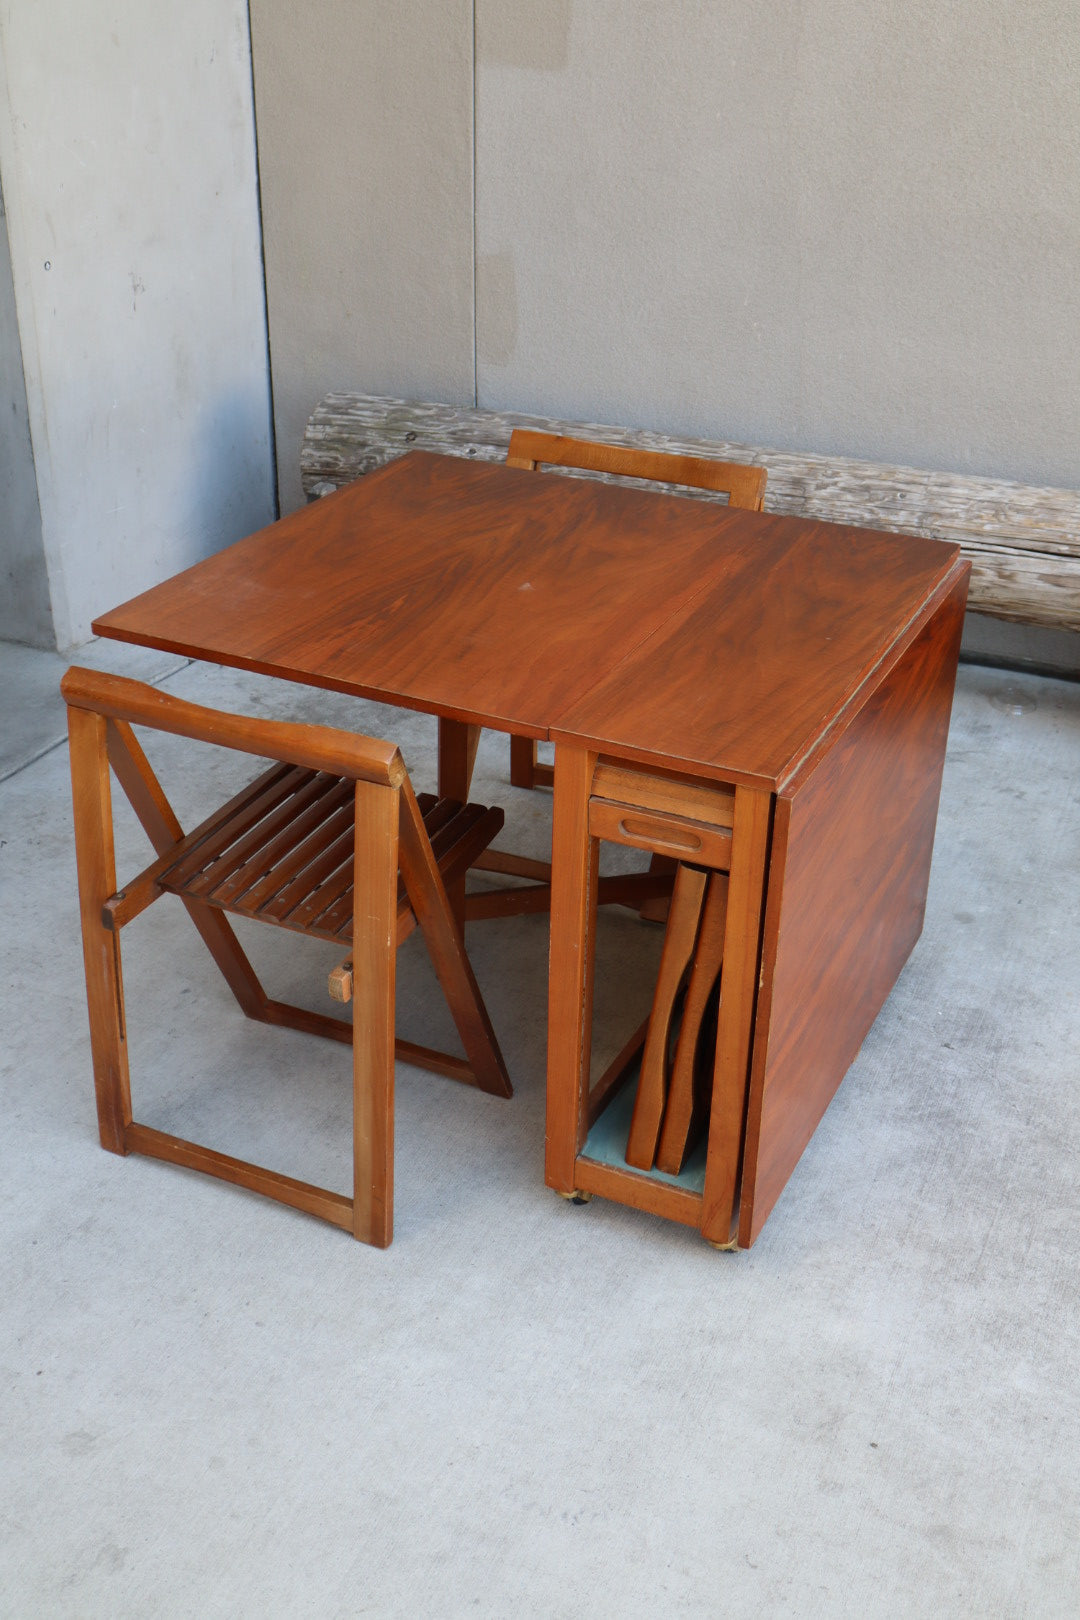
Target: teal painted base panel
<point x="606" y="1142"/>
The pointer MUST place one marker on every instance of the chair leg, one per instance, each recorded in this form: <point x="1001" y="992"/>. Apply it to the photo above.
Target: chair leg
<point x="691" y="1071"/>
<point x="430" y="902"/>
<point x="92" y="802"/>
<point x="684" y="922"/>
<point x="374" y="952"/>
<point x="457" y="757"/>
<point x="656" y="909"/>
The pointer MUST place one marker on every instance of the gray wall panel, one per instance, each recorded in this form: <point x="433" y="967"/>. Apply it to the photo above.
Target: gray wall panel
<point x="364" y="117"/>
<point x="826" y="226"/>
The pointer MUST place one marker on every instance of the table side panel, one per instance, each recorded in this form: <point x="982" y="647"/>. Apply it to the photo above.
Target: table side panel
<point x="848" y="879"/>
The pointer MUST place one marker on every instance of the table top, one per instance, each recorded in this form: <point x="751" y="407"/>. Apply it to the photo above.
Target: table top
<point x="656" y="627"/>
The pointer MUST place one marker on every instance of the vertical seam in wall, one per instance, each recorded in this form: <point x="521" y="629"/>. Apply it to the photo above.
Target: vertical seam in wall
<point x="262" y="261"/>
<point x="475" y="365"/>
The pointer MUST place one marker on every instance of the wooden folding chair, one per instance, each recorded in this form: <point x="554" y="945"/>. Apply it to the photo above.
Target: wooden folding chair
<point x="744" y="487"/>
<point x="331" y="842"/>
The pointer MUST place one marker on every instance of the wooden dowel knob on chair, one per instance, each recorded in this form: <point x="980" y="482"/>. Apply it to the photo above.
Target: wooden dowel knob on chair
<point x="339" y="982"/>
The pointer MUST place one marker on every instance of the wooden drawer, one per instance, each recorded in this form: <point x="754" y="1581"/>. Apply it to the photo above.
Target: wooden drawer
<point x="681" y="837"/>
<point x="699" y="801"/>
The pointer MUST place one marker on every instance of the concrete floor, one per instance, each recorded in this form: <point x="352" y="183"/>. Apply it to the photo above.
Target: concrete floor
<point x="213" y="1406"/>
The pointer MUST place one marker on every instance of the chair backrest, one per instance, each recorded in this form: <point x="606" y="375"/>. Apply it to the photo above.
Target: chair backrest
<point x="320" y="748"/>
<point x="743" y="485"/>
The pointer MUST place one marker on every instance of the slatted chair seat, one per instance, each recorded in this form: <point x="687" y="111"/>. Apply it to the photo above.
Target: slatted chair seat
<point x="282" y="852"/>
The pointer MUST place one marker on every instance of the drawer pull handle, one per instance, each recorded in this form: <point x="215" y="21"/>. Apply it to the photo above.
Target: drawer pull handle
<point x="659" y="833"/>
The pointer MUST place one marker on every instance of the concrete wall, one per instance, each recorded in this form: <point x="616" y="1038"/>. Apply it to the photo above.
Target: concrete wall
<point x="128" y="164"/>
<point x="823" y="226"/>
<point x="827" y="226"/>
<point x="364" y="112"/>
<point x="25" y="611"/>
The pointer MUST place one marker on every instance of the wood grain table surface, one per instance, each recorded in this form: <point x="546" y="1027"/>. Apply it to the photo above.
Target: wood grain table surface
<point x="724" y="642"/>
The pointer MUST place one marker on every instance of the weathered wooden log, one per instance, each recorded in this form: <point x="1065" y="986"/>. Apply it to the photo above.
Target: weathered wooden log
<point x="1023" y="542"/>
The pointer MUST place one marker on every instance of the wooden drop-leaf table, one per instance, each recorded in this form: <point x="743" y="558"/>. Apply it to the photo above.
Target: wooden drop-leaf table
<point x="765" y="697"/>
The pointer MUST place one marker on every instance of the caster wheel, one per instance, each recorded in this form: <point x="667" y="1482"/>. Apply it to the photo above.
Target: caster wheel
<point x="577" y="1197"/>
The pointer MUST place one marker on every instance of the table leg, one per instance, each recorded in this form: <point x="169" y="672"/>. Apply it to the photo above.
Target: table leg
<point x="522" y="762"/>
<point x="742" y="951"/>
<point x="575" y="867"/>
